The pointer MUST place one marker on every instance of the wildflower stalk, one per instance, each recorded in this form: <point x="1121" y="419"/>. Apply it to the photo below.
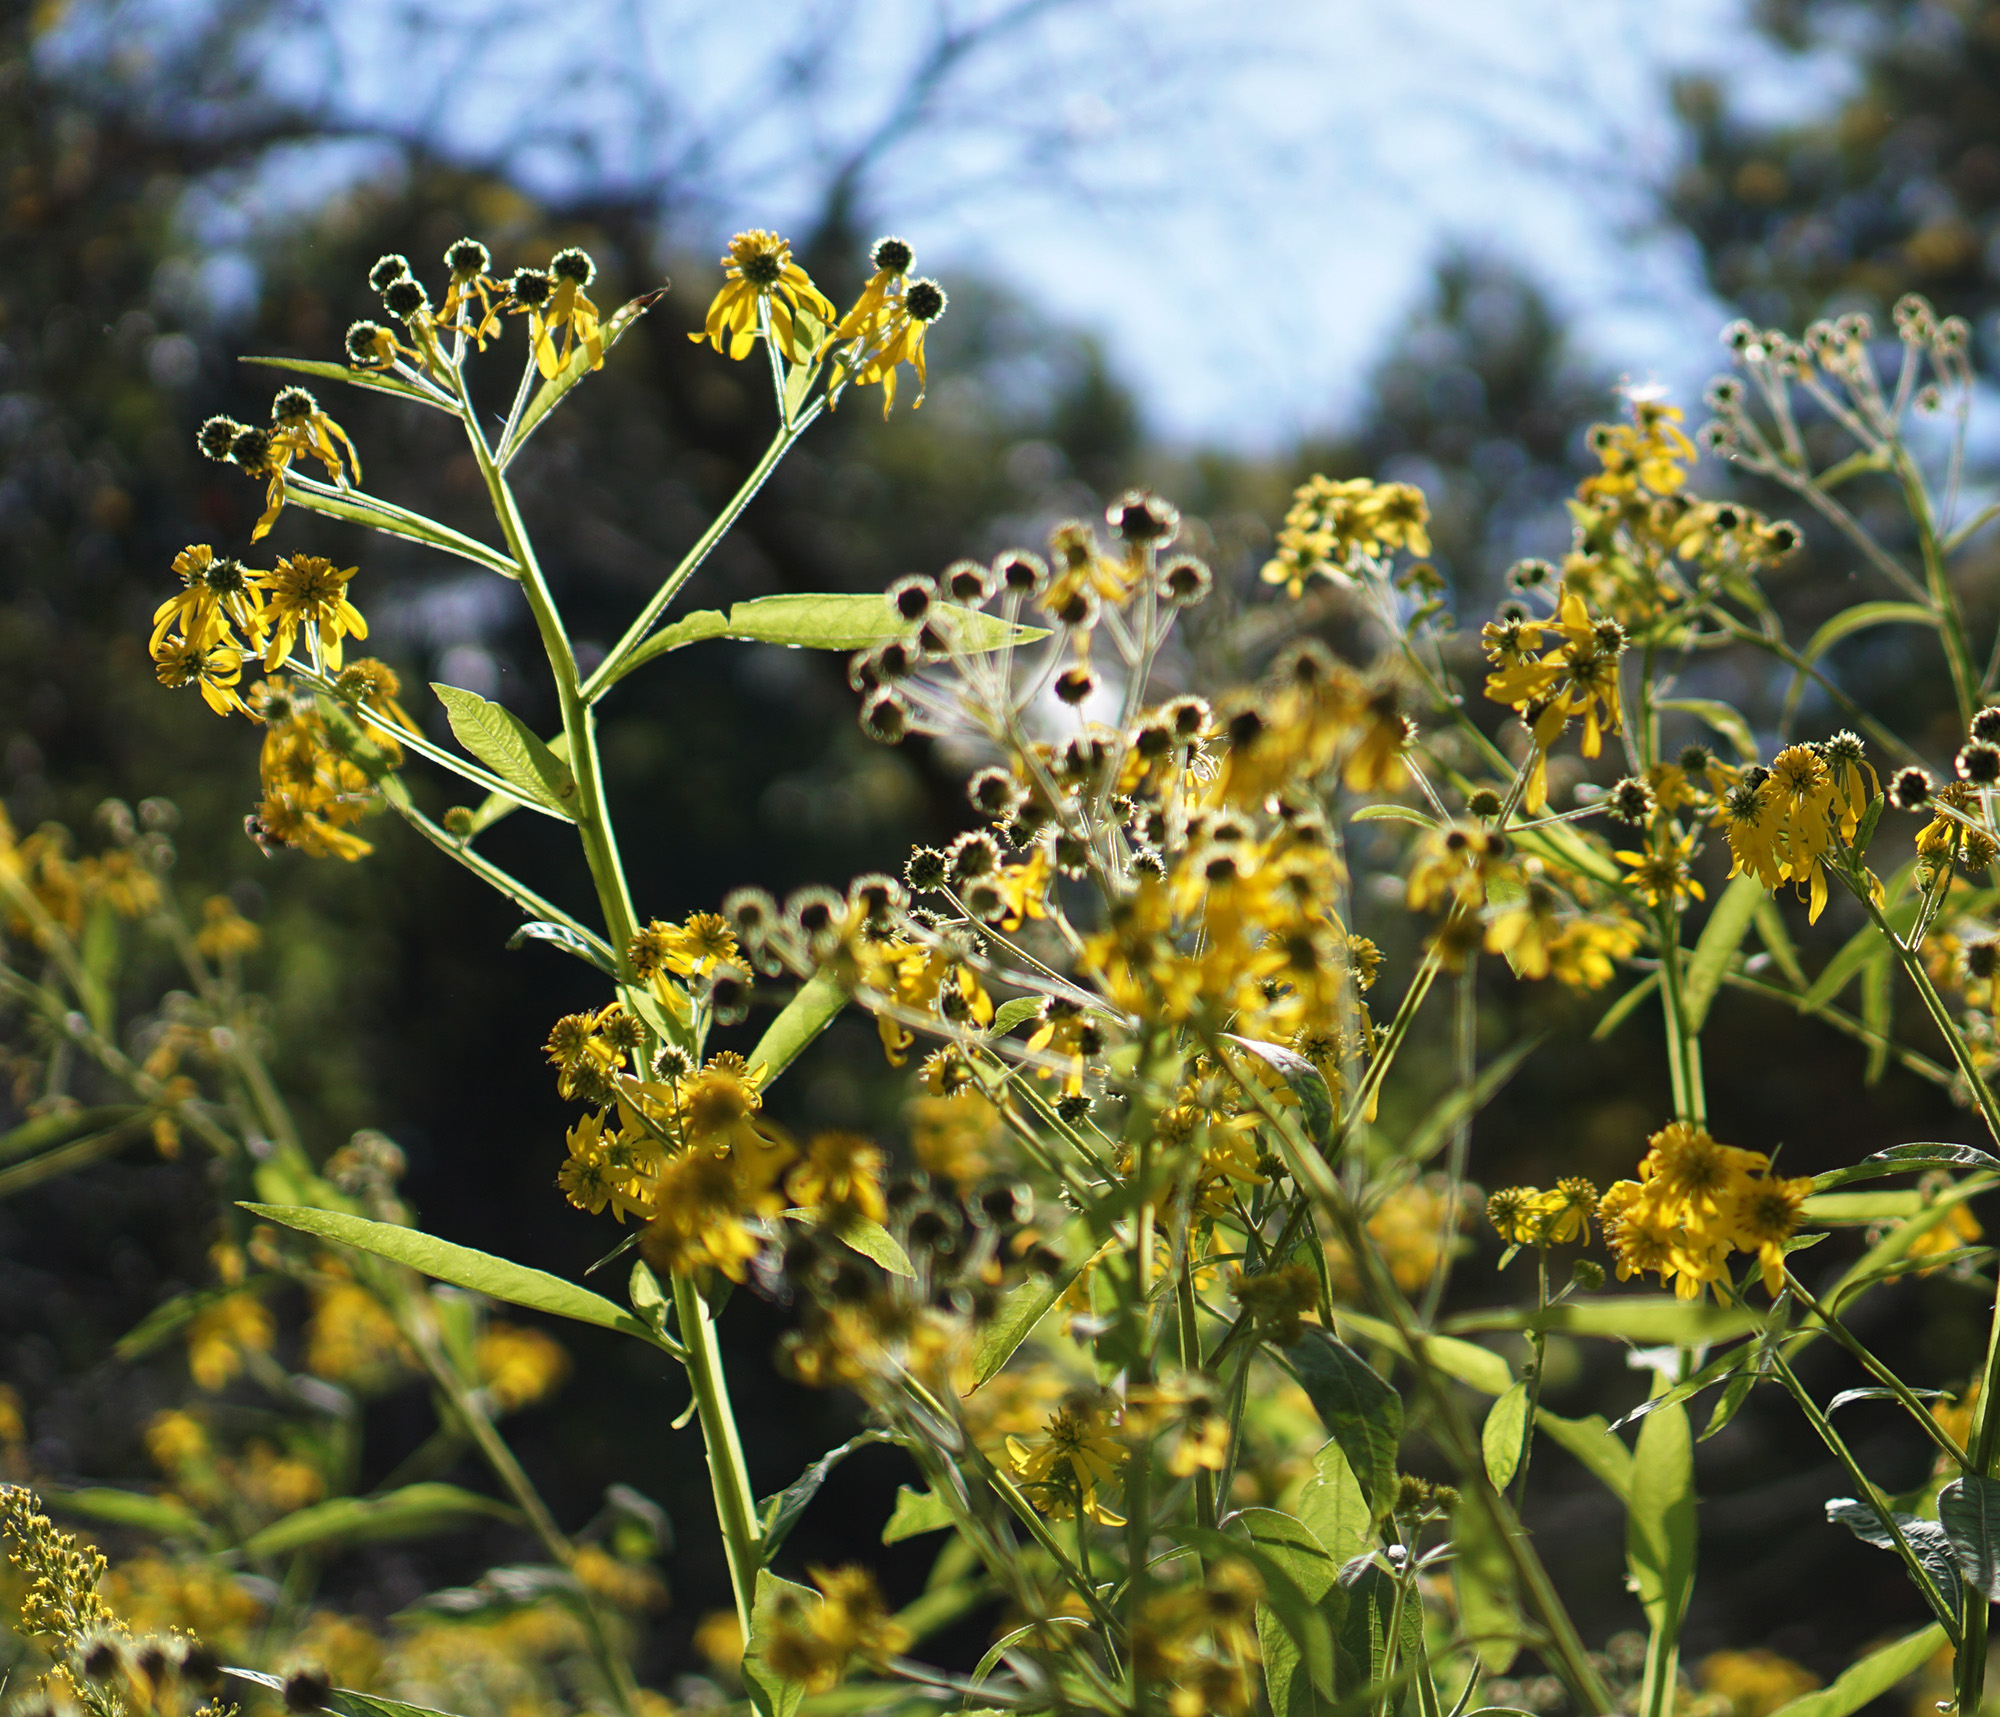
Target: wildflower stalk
<point x="1943" y="598"/>
<point x="734" y="1504"/>
<point x="1683" y="1046"/>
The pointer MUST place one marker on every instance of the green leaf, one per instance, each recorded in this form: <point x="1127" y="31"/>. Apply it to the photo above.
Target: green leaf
<point x="1721" y="717"/>
<point x="1361" y="1648"/>
<point x="163" y="1516"/>
<point x="1299" y="1612"/>
<point x="1393" y="814"/>
<point x="1621" y="1010"/>
<point x="1306" y="1082"/>
<point x="395" y="521"/>
<point x="917" y="1512"/>
<point x="343" y="1700"/>
<point x="694" y="628"/>
<point x="1778" y="942"/>
<point x="1878" y="1006"/>
<point x="170" y="1316"/>
<point x="461" y="1266"/>
<point x="827" y="622"/>
<point x="772" y="1694"/>
<point x="1020" y="1310"/>
<point x="780" y="1513"/>
<point x="1720" y="938"/>
<point x="1652" y="1320"/>
<point x="550" y="394"/>
<point x="375" y="381"/>
<point x="1489" y="1612"/>
<point x="799" y="1021"/>
<point x="561" y="936"/>
<point x="406" y="1513"/>
<point x="1928" y="1542"/>
<point x="1855" y="1209"/>
<point x="1504" y="1435"/>
<point x="1299" y="1678"/>
<point x="1844" y="625"/>
<point x="1660" y="1518"/>
<point x="1430" y="1133"/>
<point x="871" y="1240"/>
<point x="1734" y="1393"/>
<point x="509" y="747"/>
<point x="1868" y="1678"/>
<point x="1364" y="1415"/>
<point x="1594" y="1445"/>
<point x="1334" y="1506"/>
<point x="1467" y="1361"/>
<point x="648" y="1299"/>
<point x="1908" y="1159"/>
<point x="1009" y="1014"/>
<point x="1969" y="1512"/>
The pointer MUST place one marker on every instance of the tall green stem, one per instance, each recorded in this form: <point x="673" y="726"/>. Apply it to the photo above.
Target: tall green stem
<point x="734" y="1505"/>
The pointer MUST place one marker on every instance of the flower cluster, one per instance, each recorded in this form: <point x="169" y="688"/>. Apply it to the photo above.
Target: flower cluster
<point x="1696" y="1202"/>
<point x="1333" y="524"/>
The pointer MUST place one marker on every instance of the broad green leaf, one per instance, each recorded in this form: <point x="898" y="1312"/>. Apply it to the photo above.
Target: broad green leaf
<point x="1594" y="1445"/>
<point x="509" y="747"/>
<point x="1020" y="1310"/>
<point x="917" y="1512"/>
<point x="164" y="1516"/>
<point x="395" y="521"/>
<point x="1868" y="1678"/>
<point x="1429" y="1134"/>
<point x="1009" y="1014"/>
<point x="1504" y="1435"/>
<point x="550" y="394"/>
<point x="1297" y="1610"/>
<point x="1335" y="1508"/>
<point x="46" y="1131"/>
<point x="375" y="381"/>
<point x="561" y="936"/>
<point x="694" y="628"/>
<point x="1364" y="1415"/>
<point x="405" y="1513"/>
<point x="1844" y="625"/>
<point x="1467" y="1361"/>
<point x="780" y="1513"/>
<point x="1660" y="1519"/>
<point x="1489" y="1612"/>
<point x="1908" y="1159"/>
<point x="1305" y="1081"/>
<point x="1360" y="1649"/>
<point x="1855" y="1209"/>
<point x="1722" y="718"/>
<point x="1720" y="938"/>
<point x="1969" y="1512"/>
<point x="799" y="1021"/>
<point x="772" y="1694"/>
<point x="461" y="1266"/>
<point x="1289" y="1671"/>
<point x="1621" y="1010"/>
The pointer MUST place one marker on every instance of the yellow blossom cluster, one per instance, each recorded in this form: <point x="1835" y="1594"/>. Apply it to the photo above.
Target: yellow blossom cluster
<point x="813" y="1643"/>
<point x="1694" y="1204"/>
<point x="1334" y="522"/>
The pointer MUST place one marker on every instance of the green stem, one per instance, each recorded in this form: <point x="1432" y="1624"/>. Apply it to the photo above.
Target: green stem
<point x="734" y="1505"/>
<point x="614" y="666"/>
<point x="1951" y="618"/>
<point x="1538" y="1341"/>
<point x="1683" y="1046"/>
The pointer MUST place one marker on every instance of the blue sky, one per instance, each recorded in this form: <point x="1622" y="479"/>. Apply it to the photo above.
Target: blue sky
<point x="1241" y="200"/>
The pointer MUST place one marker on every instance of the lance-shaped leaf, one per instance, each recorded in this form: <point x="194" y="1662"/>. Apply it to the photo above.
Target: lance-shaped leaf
<point x="1305" y="1081"/>
<point x="1364" y="1415"/>
<point x="799" y="1021"/>
<point x="1298" y="1612"/>
<point x="1926" y="1539"/>
<point x="1720" y="938"/>
<point x="1913" y="1158"/>
<point x="375" y="381"/>
<point x="585" y="948"/>
<point x="381" y="515"/>
<point x="509" y="747"/>
<point x="780" y="1513"/>
<point x="1868" y="1678"/>
<point x="163" y="1516"/>
<point x="406" y="1513"/>
<point x="499" y="1278"/>
<point x="1504" y="1435"/>
<point x="916" y="1512"/>
<point x="581" y="361"/>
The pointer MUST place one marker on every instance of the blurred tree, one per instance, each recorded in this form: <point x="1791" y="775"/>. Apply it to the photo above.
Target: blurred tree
<point x="1895" y="189"/>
